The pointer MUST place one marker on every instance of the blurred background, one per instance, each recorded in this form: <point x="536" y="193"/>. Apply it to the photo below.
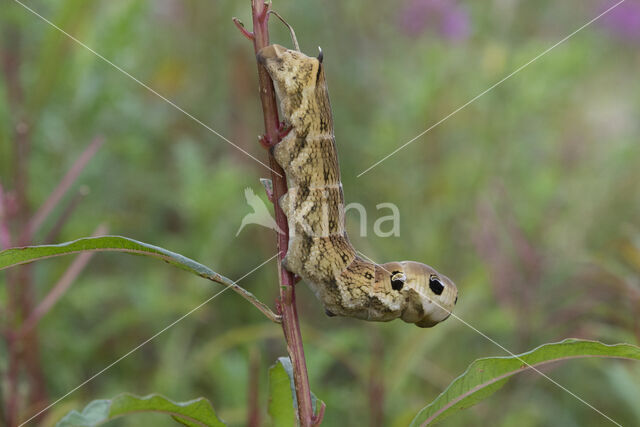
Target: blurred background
<point x="528" y="198"/>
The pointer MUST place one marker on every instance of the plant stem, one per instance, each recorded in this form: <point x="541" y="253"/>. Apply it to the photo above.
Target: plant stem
<point x="11" y="405"/>
<point x="376" y="385"/>
<point x="61" y="286"/>
<point x="67" y="212"/>
<point x="290" y="324"/>
<point x="253" y="403"/>
<point x="20" y="294"/>
<point x="63" y="186"/>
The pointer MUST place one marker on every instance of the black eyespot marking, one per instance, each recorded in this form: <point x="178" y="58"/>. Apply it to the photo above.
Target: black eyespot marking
<point x="435" y="285"/>
<point x="368" y="276"/>
<point x="397" y="280"/>
<point x="456" y="301"/>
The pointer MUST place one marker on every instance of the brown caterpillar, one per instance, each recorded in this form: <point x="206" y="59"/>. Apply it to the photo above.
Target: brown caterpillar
<point x="319" y="249"/>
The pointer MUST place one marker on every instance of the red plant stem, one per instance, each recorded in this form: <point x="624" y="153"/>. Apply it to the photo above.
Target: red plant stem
<point x="11" y="406"/>
<point x="61" y="286"/>
<point x="68" y="210"/>
<point x="5" y="236"/>
<point x="10" y="63"/>
<point x="290" y="324"/>
<point x="63" y="186"/>
<point x="376" y="386"/>
<point x="20" y="284"/>
<point x="253" y="403"/>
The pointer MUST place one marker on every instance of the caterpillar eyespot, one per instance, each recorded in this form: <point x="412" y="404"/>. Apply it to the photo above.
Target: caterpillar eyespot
<point x="436" y="286"/>
<point x="319" y="249"/>
<point x="397" y="285"/>
<point x="397" y="280"/>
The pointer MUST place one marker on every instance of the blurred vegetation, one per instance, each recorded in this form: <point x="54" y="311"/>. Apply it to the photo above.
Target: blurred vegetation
<point x="528" y="198"/>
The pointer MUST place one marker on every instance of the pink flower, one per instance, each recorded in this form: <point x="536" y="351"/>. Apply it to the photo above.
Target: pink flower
<point x="624" y="20"/>
<point x="445" y="17"/>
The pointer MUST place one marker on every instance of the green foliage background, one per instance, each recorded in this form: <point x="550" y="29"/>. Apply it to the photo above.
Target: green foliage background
<point x="528" y="199"/>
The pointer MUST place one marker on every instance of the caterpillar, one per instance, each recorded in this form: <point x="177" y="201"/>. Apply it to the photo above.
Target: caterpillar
<point x="319" y="249"/>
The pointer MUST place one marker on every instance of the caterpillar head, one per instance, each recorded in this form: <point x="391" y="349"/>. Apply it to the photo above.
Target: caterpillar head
<point x="429" y="296"/>
<point x="296" y="77"/>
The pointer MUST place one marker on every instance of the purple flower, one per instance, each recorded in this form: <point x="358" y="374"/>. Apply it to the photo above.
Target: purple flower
<point x="445" y="17"/>
<point x="624" y="20"/>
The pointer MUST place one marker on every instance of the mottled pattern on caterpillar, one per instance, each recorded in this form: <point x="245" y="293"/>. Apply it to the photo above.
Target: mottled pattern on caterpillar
<point x="319" y="249"/>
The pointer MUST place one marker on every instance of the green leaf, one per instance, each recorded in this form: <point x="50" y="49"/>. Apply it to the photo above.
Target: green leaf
<point x="23" y="255"/>
<point x="197" y="412"/>
<point x="485" y="376"/>
<point x="281" y="394"/>
<point x="16" y="256"/>
<point x="283" y="402"/>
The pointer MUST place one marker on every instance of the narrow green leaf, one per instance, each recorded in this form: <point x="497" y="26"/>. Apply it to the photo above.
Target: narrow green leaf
<point x="197" y="412"/>
<point x="485" y="376"/>
<point x="23" y="255"/>
<point x="16" y="256"/>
